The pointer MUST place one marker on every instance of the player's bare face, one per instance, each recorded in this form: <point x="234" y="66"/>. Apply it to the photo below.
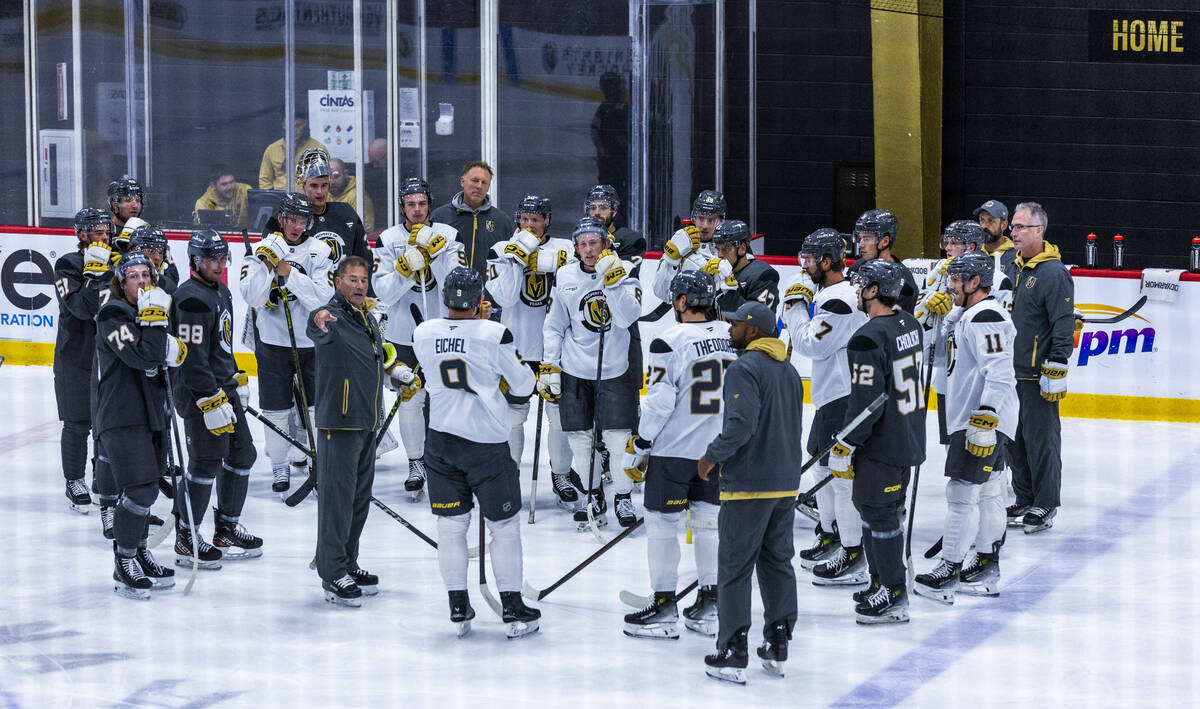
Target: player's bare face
<point x="98" y="233"/>
<point x="812" y="266"/>
<point x="730" y="252"/>
<point x="867" y="246"/>
<point x="707" y="224"/>
<point x="317" y="191"/>
<point x="955" y="248"/>
<point x="956" y="290"/>
<point x="475" y="185"/>
<point x="225" y="187"/>
<point x="136" y="278"/>
<point x="293" y="227"/>
<point x="213" y="267"/>
<point x="155" y="255"/>
<point x="589" y="247"/>
<point x="534" y="223"/>
<point x="128" y="207"/>
<point x="601" y="210"/>
<point x="416" y="209"/>
<point x="353" y="285"/>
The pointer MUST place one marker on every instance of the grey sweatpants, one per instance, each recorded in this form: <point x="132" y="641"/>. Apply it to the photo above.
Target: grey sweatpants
<point x="1036" y="454"/>
<point x="755" y="534"/>
<point x="345" y="473"/>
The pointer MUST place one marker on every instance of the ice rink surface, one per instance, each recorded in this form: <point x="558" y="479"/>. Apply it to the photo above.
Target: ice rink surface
<point x="1100" y="611"/>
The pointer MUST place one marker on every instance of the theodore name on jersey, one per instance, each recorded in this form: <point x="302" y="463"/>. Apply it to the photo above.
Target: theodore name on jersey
<point x="309" y="286"/>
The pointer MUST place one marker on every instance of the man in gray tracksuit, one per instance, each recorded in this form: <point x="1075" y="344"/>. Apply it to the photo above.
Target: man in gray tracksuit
<point x="761" y="440"/>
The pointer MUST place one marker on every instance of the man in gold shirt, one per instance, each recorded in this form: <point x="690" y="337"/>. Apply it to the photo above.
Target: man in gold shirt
<point x="224" y="193"/>
<point x="272" y="174"/>
<point x="343" y="188"/>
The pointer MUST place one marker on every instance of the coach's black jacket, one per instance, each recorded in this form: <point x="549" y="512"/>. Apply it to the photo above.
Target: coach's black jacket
<point x="349" y="367"/>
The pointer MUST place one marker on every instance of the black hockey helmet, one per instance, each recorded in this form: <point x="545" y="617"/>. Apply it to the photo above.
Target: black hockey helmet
<point x="147" y="237"/>
<point x="602" y="193"/>
<point x="885" y="273"/>
<point x="130" y="260"/>
<point x="732" y="231"/>
<point x="206" y="243"/>
<point x="312" y="163"/>
<point x="295" y="203"/>
<point x="822" y="243"/>
<point x="124" y="187"/>
<point x="88" y="218"/>
<point x="462" y="288"/>
<point x="879" y="222"/>
<point x="415" y="185"/>
<point x="966" y="231"/>
<point x="709" y="203"/>
<point x="588" y="225"/>
<point x="698" y="287"/>
<point x="973" y="263"/>
<point x="534" y="204"/>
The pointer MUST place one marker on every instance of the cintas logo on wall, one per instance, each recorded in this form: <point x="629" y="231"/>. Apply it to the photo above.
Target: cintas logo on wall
<point x="1131" y="336"/>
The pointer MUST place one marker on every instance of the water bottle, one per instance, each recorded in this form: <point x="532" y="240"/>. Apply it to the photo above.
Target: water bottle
<point x="1118" y="252"/>
<point x="1194" y="256"/>
<point x="1089" y="251"/>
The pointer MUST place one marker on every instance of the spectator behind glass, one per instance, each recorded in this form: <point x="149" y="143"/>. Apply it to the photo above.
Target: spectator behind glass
<point x="224" y="193"/>
<point x="342" y="188"/>
<point x="272" y="174"/>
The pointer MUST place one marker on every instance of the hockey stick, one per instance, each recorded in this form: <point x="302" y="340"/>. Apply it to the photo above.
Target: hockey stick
<point x="163" y="531"/>
<point x="1120" y="316"/>
<point x="846" y="430"/>
<point x="307" y="486"/>
<point x="483" y="587"/>
<point x="392" y="413"/>
<point x="533" y="594"/>
<point x="537" y="454"/>
<point x="187" y="498"/>
<point x="912" y="506"/>
<point x="632" y="599"/>
<point x="589" y="509"/>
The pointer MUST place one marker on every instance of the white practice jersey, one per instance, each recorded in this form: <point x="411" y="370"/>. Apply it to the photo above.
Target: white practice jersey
<point x="309" y="287"/>
<point x="681" y="414"/>
<point x="980" y="367"/>
<point x="410" y="300"/>
<point x="935" y="342"/>
<point x="524" y="295"/>
<point x="462" y="362"/>
<point x="823" y="338"/>
<point x="667" y="269"/>
<point x="579" y="307"/>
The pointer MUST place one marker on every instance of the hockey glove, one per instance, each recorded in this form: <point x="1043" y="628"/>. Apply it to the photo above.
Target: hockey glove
<point x="981" y="432"/>
<point x="433" y="242"/>
<point x="800" y="293"/>
<point x="611" y="268"/>
<point x="549" y="260"/>
<point x="521" y="247"/>
<point x="635" y="458"/>
<point x="152" y="307"/>
<point x="682" y="242"/>
<point x="95" y="258"/>
<point x="549" y="382"/>
<point x="939" y="302"/>
<point x="121" y="240"/>
<point x="243" y="387"/>
<point x="407" y="389"/>
<point x="1078" y="321"/>
<point x="218" y="413"/>
<point x="272" y="249"/>
<point x="176" y="351"/>
<point x="840" y="461"/>
<point x="1053" y="381"/>
<point x="411" y="263"/>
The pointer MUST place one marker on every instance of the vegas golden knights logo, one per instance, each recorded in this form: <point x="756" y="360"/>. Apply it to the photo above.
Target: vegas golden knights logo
<point x="536" y="290"/>
<point x="336" y="247"/>
<point x="596" y="315"/>
<point x="225" y="323"/>
<point x="424" y="281"/>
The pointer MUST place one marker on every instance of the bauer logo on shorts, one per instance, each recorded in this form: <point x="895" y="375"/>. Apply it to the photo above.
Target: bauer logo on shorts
<point x="594" y="309"/>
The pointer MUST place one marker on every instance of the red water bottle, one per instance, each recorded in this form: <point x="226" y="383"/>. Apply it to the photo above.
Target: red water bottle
<point x="1194" y="256"/>
<point x="1118" y="252"/>
<point x="1089" y="251"/>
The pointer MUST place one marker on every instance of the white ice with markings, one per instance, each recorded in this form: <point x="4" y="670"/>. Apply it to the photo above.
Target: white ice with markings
<point x="1098" y="611"/>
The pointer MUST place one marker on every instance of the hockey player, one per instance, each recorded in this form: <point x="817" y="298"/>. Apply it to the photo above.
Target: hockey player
<point x="740" y="277"/>
<point x="885" y="357"/>
<point x="520" y="278"/>
<point x="875" y="233"/>
<point x="681" y="415"/>
<point x="78" y="277"/>
<point x="132" y="347"/>
<point x="822" y="337"/>
<point x="287" y="263"/>
<point x="151" y="242"/>
<point x="591" y="308"/>
<point x="689" y="248"/>
<point x="981" y="415"/>
<point x="211" y="396"/>
<point x="468" y="360"/>
<point x="412" y="260"/>
<point x="126" y="199"/>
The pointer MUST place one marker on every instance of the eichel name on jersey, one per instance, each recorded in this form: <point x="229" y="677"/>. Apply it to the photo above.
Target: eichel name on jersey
<point x="203" y="319"/>
<point x="885" y="358"/>
<point x="524" y="295"/>
<point x="410" y="300"/>
<point x="682" y="411"/>
<point x="339" y="227"/>
<point x="580" y="307"/>
<point x="463" y="362"/>
<point x="309" y="287"/>
<point x="979" y="351"/>
<point x="823" y="338"/>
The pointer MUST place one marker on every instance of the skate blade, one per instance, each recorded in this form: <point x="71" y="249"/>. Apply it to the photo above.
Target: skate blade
<point x="704" y="627"/>
<point x="773" y="667"/>
<point x="337" y="600"/>
<point x="186" y="562"/>
<point x="162" y="584"/>
<point x="369" y="590"/>
<point x="586" y="526"/>
<point x="238" y="554"/>
<point x="1016" y="521"/>
<point x="517" y="629"/>
<point x="736" y="675"/>
<point x="983" y="589"/>
<point x="80" y="508"/>
<point x="1029" y="528"/>
<point x="898" y="616"/>
<point x="463" y="629"/>
<point x="853" y="580"/>
<point x="657" y="631"/>
<point x="942" y="596"/>
<point x="136" y="594"/>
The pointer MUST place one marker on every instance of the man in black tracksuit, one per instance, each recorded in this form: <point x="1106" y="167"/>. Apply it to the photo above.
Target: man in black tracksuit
<point x="480" y="223"/>
<point x="209" y="396"/>
<point x="78" y="278"/>
<point x="350" y="366"/>
<point x="761" y="440"/>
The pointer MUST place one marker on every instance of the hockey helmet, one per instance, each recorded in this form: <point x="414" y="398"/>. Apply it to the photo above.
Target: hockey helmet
<point x="971" y="264"/>
<point x="733" y="231"/>
<point x="965" y="231"/>
<point x="588" y="225"/>
<point x="294" y="203"/>
<point x="535" y="204"/>
<point x="130" y="260"/>
<point x="147" y="237"/>
<point x="602" y="193"/>
<point x="124" y="187"/>
<point x="88" y="218"/>
<point x="822" y="243"/>
<point x="709" y="203"/>
<point x="698" y="287"/>
<point x="415" y="185"/>
<point x="880" y="272"/>
<point x="879" y="222"/>
<point x="206" y="243"/>
<point x="312" y="163"/>
<point x="462" y="288"/>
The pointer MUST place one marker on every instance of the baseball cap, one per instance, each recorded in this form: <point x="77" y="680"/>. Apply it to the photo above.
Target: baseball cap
<point x="993" y="207"/>
<point x="758" y="315"/>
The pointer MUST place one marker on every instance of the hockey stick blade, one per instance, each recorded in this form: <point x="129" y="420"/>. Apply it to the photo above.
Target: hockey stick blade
<point x="1120" y="316"/>
<point x="301" y="492"/>
<point x="162" y="532"/>
<point x="533" y="594"/>
<point x="632" y="599"/>
<point x="935" y="549"/>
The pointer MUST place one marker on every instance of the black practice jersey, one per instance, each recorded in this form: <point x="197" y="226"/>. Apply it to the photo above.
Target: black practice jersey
<point x="168" y="278"/>
<point x="885" y="357"/>
<point x="757" y="281"/>
<point x="908" y="291"/>
<point x="202" y="316"/>
<point x="78" y="302"/>
<point x="130" y="389"/>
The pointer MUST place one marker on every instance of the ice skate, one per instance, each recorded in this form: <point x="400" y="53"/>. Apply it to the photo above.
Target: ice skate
<point x="864" y="594"/>
<point x="106" y="521"/>
<point x="982" y="576"/>
<point x="234" y="541"/>
<point x="161" y="576"/>
<point x="701" y="616"/>
<point x="597" y="506"/>
<point x="461" y="612"/>
<point x="208" y="555"/>
<point x="626" y="512"/>
<point x="1038" y="519"/>
<point x="1016" y="515"/>
<point x="343" y="592"/>
<point x="774" y="649"/>
<point x="129" y="580"/>
<point x="367" y="582"/>
<point x="889" y="604"/>
<point x="281" y="479"/>
<point x="566" y="489"/>
<point x="520" y="620"/>
<point x="657" y="620"/>
<point x="415" y="484"/>
<point x="729" y="663"/>
<point x="940" y="584"/>
<point x="824" y="548"/>
<point x="846" y="568"/>
<point x="77" y="494"/>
